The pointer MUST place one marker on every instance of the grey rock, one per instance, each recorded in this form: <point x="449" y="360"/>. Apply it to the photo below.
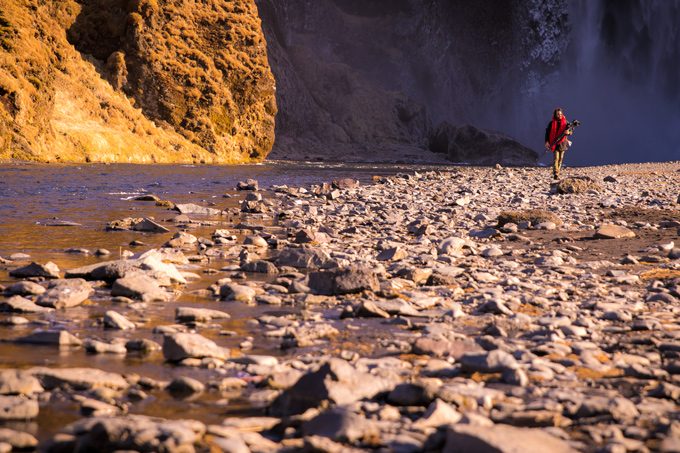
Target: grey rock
<point x="353" y="279"/>
<point x="24" y="288"/>
<point x="249" y="184"/>
<point x="305" y="258"/>
<point x="134" y="433"/>
<point x="191" y="208"/>
<point x="101" y="347"/>
<point x="65" y="293"/>
<point x="180" y="346"/>
<point x="17" y="439"/>
<point x="437" y="414"/>
<point x="236" y="292"/>
<point x="613" y="232"/>
<point x="47" y="270"/>
<point x="184" y="386"/>
<point x="17" y="408"/>
<point x="78" y="378"/>
<point x="115" y="320"/>
<point x="336" y="381"/>
<point x="18" y="382"/>
<point x="139" y="286"/>
<point x="18" y="304"/>
<point x="150" y="226"/>
<point x="488" y="362"/>
<point x="413" y="394"/>
<point x="191" y="314"/>
<point x="463" y="438"/>
<point x="50" y="337"/>
<point x="340" y="424"/>
<point x="260" y="267"/>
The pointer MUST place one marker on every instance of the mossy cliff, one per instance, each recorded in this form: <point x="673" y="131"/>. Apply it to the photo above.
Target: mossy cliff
<point x="134" y="81"/>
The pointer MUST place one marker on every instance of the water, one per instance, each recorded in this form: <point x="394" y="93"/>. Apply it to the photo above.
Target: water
<point x="32" y="195"/>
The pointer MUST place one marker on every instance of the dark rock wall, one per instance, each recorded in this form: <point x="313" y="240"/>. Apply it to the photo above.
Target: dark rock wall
<point x="357" y="77"/>
<point x="369" y="75"/>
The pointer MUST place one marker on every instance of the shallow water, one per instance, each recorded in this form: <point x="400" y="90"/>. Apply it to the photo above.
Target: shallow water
<point x="32" y="195"/>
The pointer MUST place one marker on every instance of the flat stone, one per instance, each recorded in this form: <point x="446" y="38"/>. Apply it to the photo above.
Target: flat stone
<point x="139" y="286"/>
<point x="180" y="346"/>
<point x="17" y="439"/>
<point x="47" y="270"/>
<point x="150" y="226"/>
<point x="613" y="232"/>
<point x="463" y="438"/>
<point x="50" y="337"/>
<point x="78" y="378"/>
<point x="101" y="347"/>
<point x="17" y="408"/>
<point x="115" y="320"/>
<point x="18" y="382"/>
<point x="65" y="293"/>
<point x="190" y="314"/>
<point x="194" y="209"/>
<point x="24" y="288"/>
<point x="18" y="304"/>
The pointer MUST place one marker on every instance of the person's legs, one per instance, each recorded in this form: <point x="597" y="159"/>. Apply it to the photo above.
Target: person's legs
<point x="557" y="162"/>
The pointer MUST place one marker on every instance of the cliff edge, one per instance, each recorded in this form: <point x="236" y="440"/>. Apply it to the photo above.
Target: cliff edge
<point x="134" y="81"/>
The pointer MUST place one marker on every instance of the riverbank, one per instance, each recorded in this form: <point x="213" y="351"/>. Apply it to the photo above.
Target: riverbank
<point x="410" y="311"/>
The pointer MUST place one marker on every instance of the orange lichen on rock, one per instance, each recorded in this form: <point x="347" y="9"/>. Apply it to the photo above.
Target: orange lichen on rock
<point x="134" y="81"/>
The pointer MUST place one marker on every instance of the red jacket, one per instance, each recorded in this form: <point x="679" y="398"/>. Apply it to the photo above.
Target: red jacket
<point x="555" y="129"/>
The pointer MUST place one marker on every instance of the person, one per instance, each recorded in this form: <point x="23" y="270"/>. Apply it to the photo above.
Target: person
<point x="556" y="127"/>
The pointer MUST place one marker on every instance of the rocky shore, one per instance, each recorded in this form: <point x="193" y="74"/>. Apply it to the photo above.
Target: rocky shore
<point x="472" y="309"/>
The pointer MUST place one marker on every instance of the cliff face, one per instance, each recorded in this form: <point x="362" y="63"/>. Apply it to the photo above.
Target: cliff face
<point x="361" y="78"/>
<point x="134" y="81"/>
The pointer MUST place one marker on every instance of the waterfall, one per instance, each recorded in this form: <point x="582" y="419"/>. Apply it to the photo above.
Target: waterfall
<point x="619" y="75"/>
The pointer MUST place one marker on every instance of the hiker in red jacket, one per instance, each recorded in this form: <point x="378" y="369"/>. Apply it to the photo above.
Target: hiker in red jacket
<point x="557" y="128"/>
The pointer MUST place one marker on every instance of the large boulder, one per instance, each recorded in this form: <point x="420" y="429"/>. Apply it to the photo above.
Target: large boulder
<point x="305" y="258"/>
<point x="78" y="378"/>
<point x="468" y="144"/>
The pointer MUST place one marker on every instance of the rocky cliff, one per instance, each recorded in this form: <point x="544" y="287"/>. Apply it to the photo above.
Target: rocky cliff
<point x="134" y="81"/>
<point x="376" y="80"/>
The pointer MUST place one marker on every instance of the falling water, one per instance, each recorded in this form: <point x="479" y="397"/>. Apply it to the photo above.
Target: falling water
<point x="619" y="75"/>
